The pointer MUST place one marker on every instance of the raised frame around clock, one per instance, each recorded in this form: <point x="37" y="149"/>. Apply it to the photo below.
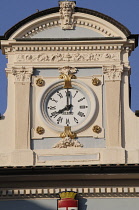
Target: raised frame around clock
<point x="46" y="94"/>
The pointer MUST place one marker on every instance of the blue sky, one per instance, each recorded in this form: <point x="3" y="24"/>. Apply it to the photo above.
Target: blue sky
<point x="124" y="11"/>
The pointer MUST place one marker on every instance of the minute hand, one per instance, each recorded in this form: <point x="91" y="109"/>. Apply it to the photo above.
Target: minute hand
<point x="68" y="96"/>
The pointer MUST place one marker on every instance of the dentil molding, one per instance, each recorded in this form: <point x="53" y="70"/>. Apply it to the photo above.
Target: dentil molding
<point x="94" y="47"/>
<point x="77" y="22"/>
<point x="103" y="192"/>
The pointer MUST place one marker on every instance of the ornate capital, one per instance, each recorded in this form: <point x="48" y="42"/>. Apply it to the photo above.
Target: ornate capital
<point x="66" y="14"/>
<point x="22" y="74"/>
<point x="112" y="72"/>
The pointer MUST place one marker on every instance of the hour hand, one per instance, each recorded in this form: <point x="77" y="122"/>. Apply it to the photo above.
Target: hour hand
<point x="66" y="108"/>
<point x="62" y="110"/>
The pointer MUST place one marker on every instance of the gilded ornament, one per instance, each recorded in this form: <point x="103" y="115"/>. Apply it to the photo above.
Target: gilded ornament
<point x="67" y="194"/>
<point x="68" y="133"/>
<point x="95" y="81"/>
<point x="67" y="75"/>
<point x="40" y="82"/>
<point x="40" y="130"/>
<point x="97" y="129"/>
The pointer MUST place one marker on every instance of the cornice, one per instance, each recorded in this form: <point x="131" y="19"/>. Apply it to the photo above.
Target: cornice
<point x="55" y="10"/>
<point x="66" y="47"/>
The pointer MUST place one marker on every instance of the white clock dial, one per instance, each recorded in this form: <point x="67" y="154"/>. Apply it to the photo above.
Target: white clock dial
<point x="73" y="107"/>
<point x="67" y="107"/>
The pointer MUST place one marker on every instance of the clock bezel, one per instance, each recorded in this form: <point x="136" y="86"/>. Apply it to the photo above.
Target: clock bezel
<point x="89" y="94"/>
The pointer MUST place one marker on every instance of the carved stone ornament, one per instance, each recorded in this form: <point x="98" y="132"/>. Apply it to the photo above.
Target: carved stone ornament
<point x="22" y="74"/>
<point x="67" y="70"/>
<point x="67" y="142"/>
<point x="112" y="72"/>
<point x="66" y="14"/>
<point x="68" y="57"/>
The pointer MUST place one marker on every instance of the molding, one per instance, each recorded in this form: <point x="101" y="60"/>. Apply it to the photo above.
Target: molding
<point x="112" y="73"/>
<point x="77" y="22"/>
<point x="68" y="57"/>
<point x="42" y="27"/>
<point x="118" y="192"/>
<point x="66" y="14"/>
<point x="66" y="48"/>
<point x="56" y="10"/>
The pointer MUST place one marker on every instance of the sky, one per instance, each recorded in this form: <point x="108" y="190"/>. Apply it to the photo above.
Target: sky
<point x="124" y="11"/>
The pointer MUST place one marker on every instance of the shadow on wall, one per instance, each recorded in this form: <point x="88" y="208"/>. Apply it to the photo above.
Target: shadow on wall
<point x="43" y="204"/>
<point x="82" y="204"/>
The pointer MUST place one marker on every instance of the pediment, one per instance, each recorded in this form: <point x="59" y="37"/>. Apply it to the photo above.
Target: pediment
<point x="46" y="24"/>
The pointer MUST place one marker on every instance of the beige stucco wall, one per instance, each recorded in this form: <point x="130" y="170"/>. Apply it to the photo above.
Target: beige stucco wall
<point x="119" y="125"/>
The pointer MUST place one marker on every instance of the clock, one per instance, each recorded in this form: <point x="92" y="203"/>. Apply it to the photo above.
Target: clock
<point x="74" y="107"/>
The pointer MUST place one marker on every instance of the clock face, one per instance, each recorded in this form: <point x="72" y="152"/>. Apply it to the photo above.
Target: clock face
<point x="67" y="107"/>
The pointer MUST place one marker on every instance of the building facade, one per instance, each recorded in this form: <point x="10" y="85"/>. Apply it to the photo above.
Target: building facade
<point x="68" y="130"/>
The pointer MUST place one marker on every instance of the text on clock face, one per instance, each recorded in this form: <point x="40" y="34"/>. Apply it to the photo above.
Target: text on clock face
<point x="67" y="107"/>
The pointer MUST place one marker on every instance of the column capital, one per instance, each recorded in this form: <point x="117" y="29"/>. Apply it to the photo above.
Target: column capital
<point x="22" y="74"/>
<point x="112" y="72"/>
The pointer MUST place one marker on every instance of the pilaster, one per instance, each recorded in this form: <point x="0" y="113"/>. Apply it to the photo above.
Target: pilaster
<point x="22" y="105"/>
<point x="112" y="77"/>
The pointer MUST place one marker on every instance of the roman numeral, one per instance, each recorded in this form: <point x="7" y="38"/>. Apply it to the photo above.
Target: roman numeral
<point x="59" y="94"/>
<point x="75" y="119"/>
<point x="81" y="99"/>
<point x="67" y="122"/>
<point x="54" y="114"/>
<point x="81" y="114"/>
<point x="52" y="99"/>
<point x="75" y="94"/>
<point x="83" y="107"/>
<point x="52" y="107"/>
<point x="59" y="120"/>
